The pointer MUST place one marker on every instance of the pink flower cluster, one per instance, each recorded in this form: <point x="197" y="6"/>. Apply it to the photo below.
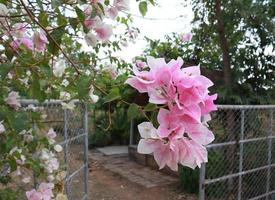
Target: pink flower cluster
<point x="182" y="134"/>
<point x="19" y="34"/>
<point x="44" y="192"/>
<point x="98" y="29"/>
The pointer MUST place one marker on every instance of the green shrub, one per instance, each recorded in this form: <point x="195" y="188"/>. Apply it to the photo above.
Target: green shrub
<point x="189" y="179"/>
<point x="99" y="139"/>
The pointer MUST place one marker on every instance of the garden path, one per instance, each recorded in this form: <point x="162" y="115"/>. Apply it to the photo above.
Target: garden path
<point x="118" y="178"/>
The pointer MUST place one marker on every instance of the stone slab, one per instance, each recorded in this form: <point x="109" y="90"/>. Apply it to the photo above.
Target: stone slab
<point x="114" y="150"/>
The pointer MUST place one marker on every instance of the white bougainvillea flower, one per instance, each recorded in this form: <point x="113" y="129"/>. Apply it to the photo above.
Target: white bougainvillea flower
<point x="51" y="133"/>
<point x="65" y="96"/>
<point x="26" y="179"/>
<point x="104" y="32"/>
<point x="59" y="67"/>
<point x="91" y="39"/>
<point x="28" y="138"/>
<point x="93" y="97"/>
<point x="69" y="106"/>
<point x="2" y="128"/>
<point x="4" y="11"/>
<point x="58" y="148"/>
<point x="65" y="83"/>
<point x="12" y="100"/>
<point x="50" y="178"/>
<point x="19" y="30"/>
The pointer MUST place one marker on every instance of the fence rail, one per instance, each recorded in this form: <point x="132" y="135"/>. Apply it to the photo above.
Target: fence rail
<point x="242" y="158"/>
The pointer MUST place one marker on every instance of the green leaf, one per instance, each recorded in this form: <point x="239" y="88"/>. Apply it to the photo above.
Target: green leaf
<point x="5" y="69"/>
<point x="150" y="107"/>
<point x="57" y="36"/>
<point x="19" y="121"/>
<point x="152" y="2"/>
<point x="73" y="22"/>
<point x="43" y="19"/>
<point x="113" y="95"/>
<point x="61" y="20"/>
<point x="107" y="2"/>
<point x="80" y="14"/>
<point x="83" y="84"/>
<point x="143" y="8"/>
<point x="36" y="90"/>
<point x="133" y="111"/>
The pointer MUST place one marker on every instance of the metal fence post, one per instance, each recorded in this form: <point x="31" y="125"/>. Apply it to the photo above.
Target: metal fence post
<point x="241" y="156"/>
<point x="269" y="154"/>
<point x="66" y="147"/>
<point x="202" y="182"/>
<point x="86" y="149"/>
<point x="131" y="142"/>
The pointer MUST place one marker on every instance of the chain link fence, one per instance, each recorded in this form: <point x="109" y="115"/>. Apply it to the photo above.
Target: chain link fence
<point x="242" y="158"/>
<point x="71" y="127"/>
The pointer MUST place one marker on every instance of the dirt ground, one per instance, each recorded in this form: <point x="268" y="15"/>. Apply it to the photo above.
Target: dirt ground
<point x="106" y="185"/>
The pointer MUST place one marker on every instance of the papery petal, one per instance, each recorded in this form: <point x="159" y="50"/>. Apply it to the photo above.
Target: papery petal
<point x="145" y="146"/>
<point x="200" y="133"/>
<point x="147" y="130"/>
<point x="135" y="83"/>
<point x="162" y="155"/>
<point x="191" y="71"/>
<point x="155" y="63"/>
<point x="208" y="104"/>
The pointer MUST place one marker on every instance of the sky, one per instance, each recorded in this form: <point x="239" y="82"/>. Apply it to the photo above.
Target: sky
<point x="165" y="18"/>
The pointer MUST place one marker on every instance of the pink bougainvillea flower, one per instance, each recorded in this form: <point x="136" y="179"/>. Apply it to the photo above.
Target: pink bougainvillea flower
<point x="2" y="127"/>
<point x="34" y="195"/>
<point x="191" y="153"/>
<point x="208" y="105"/>
<point x="168" y="123"/>
<point x="186" y="37"/>
<point x="165" y="152"/>
<point x="199" y="133"/>
<point x="51" y="133"/>
<point x="112" y="12"/>
<point x="104" y="32"/>
<point x="27" y="42"/>
<point x="91" y="23"/>
<point x="122" y="4"/>
<point x="141" y="80"/>
<point x="46" y="190"/>
<point x="193" y="89"/>
<point x="12" y="100"/>
<point x="40" y="40"/>
<point x="140" y="64"/>
<point x="182" y="132"/>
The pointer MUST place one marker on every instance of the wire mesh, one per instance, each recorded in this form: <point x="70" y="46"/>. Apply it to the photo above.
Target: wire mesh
<point x="242" y="158"/>
<point x="72" y="133"/>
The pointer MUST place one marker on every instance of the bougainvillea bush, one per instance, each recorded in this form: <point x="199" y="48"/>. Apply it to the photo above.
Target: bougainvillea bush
<point x="56" y="49"/>
<point x="184" y="105"/>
